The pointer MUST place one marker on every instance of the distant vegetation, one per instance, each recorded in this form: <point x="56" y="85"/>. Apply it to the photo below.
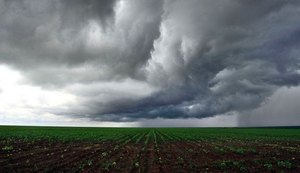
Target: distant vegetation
<point x="100" y="134"/>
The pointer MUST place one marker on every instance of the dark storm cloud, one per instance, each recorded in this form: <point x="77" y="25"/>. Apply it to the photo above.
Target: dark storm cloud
<point x="56" y="39"/>
<point x="42" y="37"/>
<point x="127" y="60"/>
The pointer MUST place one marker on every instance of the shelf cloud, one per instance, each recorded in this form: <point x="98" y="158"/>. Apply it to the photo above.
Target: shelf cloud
<point x="125" y="60"/>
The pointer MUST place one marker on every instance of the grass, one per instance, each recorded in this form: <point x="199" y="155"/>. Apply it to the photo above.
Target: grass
<point x="284" y="164"/>
<point x="229" y="164"/>
<point x="7" y="148"/>
<point x="269" y="166"/>
<point x="100" y="134"/>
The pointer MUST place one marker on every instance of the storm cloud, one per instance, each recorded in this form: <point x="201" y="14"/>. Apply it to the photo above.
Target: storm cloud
<point x="127" y="60"/>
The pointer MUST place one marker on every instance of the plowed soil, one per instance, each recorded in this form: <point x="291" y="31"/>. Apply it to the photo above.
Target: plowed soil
<point x="164" y="156"/>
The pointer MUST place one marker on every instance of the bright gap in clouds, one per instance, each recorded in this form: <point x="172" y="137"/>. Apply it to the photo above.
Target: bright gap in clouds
<point x="21" y="103"/>
<point x="24" y="104"/>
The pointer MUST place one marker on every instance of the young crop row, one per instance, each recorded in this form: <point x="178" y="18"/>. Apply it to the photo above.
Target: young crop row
<point x="161" y="134"/>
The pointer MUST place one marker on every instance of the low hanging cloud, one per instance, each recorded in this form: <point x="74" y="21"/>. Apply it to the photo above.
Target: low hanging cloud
<point x="125" y="60"/>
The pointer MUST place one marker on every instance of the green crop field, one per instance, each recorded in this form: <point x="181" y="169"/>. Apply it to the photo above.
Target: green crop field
<point x="100" y="134"/>
<point x="80" y="149"/>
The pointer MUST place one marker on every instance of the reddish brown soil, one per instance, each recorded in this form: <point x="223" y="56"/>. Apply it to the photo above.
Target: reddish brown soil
<point x="167" y="157"/>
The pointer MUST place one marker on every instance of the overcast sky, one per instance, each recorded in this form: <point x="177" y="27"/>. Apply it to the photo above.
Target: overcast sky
<point x="150" y="62"/>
